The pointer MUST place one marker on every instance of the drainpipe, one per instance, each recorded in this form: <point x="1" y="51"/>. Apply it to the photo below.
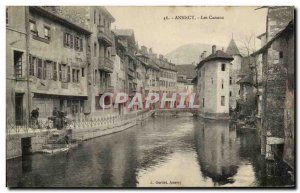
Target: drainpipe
<point x="27" y="62"/>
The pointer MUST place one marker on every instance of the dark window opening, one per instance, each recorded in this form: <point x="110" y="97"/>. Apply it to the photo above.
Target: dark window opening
<point x="203" y="102"/>
<point x="60" y="72"/>
<point x="230" y="80"/>
<point x="230" y="93"/>
<point x="222" y="100"/>
<point x="281" y="54"/>
<point x="223" y="66"/>
<point x="69" y="74"/>
<point x="82" y="72"/>
<point x="54" y="74"/>
<point x="6" y="15"/>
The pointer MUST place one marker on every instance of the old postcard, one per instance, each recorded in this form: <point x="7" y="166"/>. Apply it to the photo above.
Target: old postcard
<point x="143" y="97"/>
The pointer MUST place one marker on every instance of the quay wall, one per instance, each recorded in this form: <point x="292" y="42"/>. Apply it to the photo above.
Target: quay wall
<point x="84" y="130"/>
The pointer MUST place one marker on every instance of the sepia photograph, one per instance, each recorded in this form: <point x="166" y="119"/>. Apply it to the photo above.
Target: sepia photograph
<point x="150" y="97"/>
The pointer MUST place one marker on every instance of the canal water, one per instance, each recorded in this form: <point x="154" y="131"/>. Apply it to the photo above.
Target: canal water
<point x="162" y="151"/>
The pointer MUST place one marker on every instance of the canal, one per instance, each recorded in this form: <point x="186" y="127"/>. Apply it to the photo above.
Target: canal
<point x="162" y="151"/>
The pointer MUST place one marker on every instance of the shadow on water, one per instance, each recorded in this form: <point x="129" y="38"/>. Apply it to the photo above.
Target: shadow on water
<point x="196" y="152"/>
<point x="231" y="156"/>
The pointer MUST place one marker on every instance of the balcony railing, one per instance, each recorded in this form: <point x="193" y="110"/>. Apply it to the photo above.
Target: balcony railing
<point x="106" y="88"/>
<point x="105" y="35"/>
<point x="106" y="64"/>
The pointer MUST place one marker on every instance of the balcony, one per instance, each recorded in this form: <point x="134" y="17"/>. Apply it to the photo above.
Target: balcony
<point x="105" y="36"/>
<point x="131" y="74"/>
<point x="130" y="54"/>
<point x="106" y="64"/>
<point x="105" y="88"/>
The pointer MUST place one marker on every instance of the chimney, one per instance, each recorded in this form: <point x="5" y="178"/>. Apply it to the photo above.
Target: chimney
<point x="161" y="56"/>
<point x="150" y="51"/>
<point x="204" y="54"/>
<point x="144" y="49"/>
<point x="201" y="57"/>
<point x="213" y="49"/>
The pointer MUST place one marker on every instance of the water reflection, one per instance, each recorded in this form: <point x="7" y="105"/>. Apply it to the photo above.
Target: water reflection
<point x="194" y="152"/>
<point x="217" y="150"/>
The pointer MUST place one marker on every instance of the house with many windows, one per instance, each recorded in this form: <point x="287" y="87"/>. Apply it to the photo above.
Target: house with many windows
<point x="213" y="84"/>
<point x="51" y="70"/>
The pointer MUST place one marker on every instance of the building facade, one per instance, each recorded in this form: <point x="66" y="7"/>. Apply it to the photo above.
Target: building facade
<point x="277" y="122"/>
<point x="213" y="84"/>
<point x="234" y="71"/>
<point x="55" y="67"/>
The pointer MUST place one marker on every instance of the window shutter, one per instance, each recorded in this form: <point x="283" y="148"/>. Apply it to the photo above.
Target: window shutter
<point x="81" y="45"/>
<point x="65" y="39"/>
<point x="71" y="41"/>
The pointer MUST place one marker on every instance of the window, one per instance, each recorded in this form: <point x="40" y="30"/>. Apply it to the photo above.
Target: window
<point x="223" y="66"/>
<point x="202" y="102"/>
<point x="47" y="32"/>
<point x="45" y="70"/>
<point x="6" y="15"/>
<point x="81" y="45"/>
<point x="68" y="40"/>
<point x="40" y="69"/>
<point x="230" y="80"/>
<point x="212" y="80"/>
<point x="69" y="74"/>
<point x="32" y="63"/>
<point x="77" y="43"/>
<point x="82" y="72"/>
<point x="95" y="49"/>
<point x="99" y="19"/>
<point x="230" y="93"/>
<point x="75" y="75"/>
<point x="281" y="54"/>
<point x="33" y="28"/>
<point x="95" y="77"/>
<point x="60" y="72"/>
<point x="18" y="63"/>
<point x="222" y="83"/>
<point x="222" y="100"/>
<point x="54" y="73"/>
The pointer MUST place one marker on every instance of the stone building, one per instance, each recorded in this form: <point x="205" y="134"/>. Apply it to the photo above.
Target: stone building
<point x="126" y="36"/>
<point x="53" y="71"/>
<point x="187" y="72"/>
<point x="17" y="81"/>
<point x="118" y="76"/>
<point x="277" y="120"/>
<point x="213" y="84"/>
<point x="142" y="63"/>
<point x="234" y="70"/>
<point x="167" y="78"/>
<point x="98" y="21"/>
<point x="152" y="74"/>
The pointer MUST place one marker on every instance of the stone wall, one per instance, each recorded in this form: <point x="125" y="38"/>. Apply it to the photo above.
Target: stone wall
<point x="275" y="82"/>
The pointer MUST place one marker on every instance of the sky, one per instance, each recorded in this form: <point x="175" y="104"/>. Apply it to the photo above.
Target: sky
<point x="163" y="36"/>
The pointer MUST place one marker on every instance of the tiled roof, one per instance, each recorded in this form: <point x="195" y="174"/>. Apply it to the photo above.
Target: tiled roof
<point x="232" y="48"/>
<point x="219" y="54"/>
<point x="186" y="69"/>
